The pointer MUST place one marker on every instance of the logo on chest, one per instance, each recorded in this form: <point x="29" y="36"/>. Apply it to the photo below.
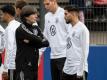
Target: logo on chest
<point x="69" y="43"/>
<point x="53" y="30"/>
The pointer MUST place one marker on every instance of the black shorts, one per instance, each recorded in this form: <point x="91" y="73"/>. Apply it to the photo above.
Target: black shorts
<point x="56" y="68"/>
<point x="70" y="77"/>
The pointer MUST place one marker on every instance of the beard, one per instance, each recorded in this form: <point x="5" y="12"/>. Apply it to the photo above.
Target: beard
<point x="67" y="21"/>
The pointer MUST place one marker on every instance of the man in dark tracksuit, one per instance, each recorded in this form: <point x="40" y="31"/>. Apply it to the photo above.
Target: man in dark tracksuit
<point x="29" y="39"/>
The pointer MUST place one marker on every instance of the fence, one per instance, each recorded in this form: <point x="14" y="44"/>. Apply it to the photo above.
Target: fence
<point x="95" y="18"/>
<point x="96" y="21"/>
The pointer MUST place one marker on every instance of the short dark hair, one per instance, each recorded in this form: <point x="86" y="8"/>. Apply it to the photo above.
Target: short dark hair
<point x="8" y="9"/>
<point x="72" y="8"/>
<point x="27" y="11"/>
<point x="20" y="4"/>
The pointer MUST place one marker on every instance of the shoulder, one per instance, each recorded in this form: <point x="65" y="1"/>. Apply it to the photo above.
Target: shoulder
<point x="61" y="10"/>
<point x="84" y="27"/>
<point x="13" y="25"/>
<point x="19" y="29"/>
<point x="60" y="14"/>
<point x="16" y="23"/>
<point x="48" y="14"/>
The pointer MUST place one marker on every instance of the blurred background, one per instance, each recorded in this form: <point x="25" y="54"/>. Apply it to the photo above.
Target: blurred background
<point x="95" y="16"/>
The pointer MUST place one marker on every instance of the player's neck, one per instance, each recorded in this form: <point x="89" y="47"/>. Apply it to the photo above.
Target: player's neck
<point x="10" y="19"/>
<point x="75" y="21"/>
<point x="55" y="8"/>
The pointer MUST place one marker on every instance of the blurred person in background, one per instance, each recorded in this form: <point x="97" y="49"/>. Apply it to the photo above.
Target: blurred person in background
<point x="8" y="17"/>
<point x="19" y="5"/>
<point x="77" y="46"/>
<point x="55" y="31"/>
<point x="81" y="4"/>
<point x="29" y="39"/>
<point x="100" y="12"/>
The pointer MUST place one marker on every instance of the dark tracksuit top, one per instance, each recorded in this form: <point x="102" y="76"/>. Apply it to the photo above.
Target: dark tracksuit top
<point x="28" y="45"/>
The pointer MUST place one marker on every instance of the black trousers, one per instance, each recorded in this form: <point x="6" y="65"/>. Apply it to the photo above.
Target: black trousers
<point x="69" y="77"/>
<point x="56" y="68"/>
<point x="27" y="73"/>
<point x="72" y="77"/>
<point x="86" y="75"/>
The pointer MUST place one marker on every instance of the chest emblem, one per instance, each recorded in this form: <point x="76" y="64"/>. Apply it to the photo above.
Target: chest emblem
<point x="53" y="30"/>
<point x="69" y="43"/>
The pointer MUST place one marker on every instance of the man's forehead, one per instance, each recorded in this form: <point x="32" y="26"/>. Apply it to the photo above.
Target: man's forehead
<point x="48" y="0"/>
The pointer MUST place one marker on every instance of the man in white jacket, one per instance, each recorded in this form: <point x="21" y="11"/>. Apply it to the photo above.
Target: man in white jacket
<point x="1" y="49"/>
<point x="77" y="46"/>
<point x="9" y="36"/>
<point x="1" y="39"/>
<point x="56" y="32"/>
